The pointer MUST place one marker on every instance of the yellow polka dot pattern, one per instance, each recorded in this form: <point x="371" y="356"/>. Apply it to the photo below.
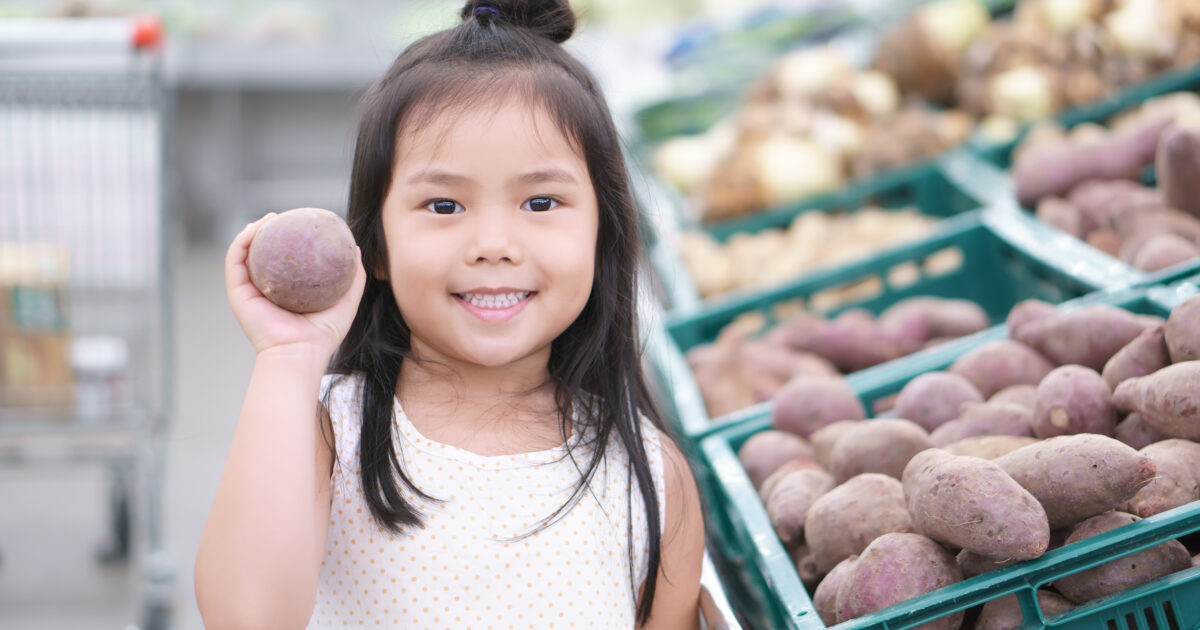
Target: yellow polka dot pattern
<point x="467" y="565"/>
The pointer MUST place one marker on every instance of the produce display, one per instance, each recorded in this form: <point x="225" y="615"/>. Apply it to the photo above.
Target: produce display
<point x="1086" y="182"/>
<point x="1081" y="422"/>
<point x="810" y="125"/>
<point x="806" y="351"/>
<point x="303" y="259"/>
<point x="814" y="240"/>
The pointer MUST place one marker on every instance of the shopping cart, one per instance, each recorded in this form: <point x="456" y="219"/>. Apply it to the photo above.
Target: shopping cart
<point x="85" y="346"/>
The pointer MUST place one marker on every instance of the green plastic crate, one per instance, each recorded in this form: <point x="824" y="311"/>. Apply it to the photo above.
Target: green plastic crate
<point x="994" y="273"/>
<point x="773" y="597"/>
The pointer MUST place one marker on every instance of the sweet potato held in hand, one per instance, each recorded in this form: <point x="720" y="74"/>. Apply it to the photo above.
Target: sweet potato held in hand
<point x="303" y="259"/>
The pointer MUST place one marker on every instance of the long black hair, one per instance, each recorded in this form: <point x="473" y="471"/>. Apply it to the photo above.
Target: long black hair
<point x="504" y="48"/>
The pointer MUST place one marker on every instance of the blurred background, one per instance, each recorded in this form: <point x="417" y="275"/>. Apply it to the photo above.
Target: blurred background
<point x="789" y="155"/>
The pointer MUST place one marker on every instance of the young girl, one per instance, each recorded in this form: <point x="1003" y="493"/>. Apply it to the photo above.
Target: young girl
<point x="484" y="453"/>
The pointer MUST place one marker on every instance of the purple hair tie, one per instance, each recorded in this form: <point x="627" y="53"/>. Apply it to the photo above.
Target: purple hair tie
<point x="492" y="10"/>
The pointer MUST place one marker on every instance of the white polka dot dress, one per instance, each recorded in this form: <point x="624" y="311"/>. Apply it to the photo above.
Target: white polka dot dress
<point x="467" y="565"/>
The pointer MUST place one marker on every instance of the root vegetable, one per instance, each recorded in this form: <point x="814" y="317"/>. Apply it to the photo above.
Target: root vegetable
<point x="762" y="453"/>
<point x="1053" y="170"/>
<point x="1182" y="331"/>
<point x="935" y="317"/>
<point x="1168" y="400"/>
<point x="879" y="446"/>
<point x="303" y="260"/>
<point x="973" y="504"/>
<point x="988" y="446"/>
<point x="846" y="519"/>
<point x="1146" y="354"/>
<point x="808" y="403"/>
<point x="1178" y="168"/>
<point x="1027" y="312"/>
<point x="1089" y="336"/>
<point x="999" y="364"/>
<point x="1075" y="477"/>
<point x="1062" y="215"/>
<point x="991" y="418"/>
<point x="894" y="568"/>
<point x="1004" y="613"/>
<point x="934" y="398"/>
<point x="1164" y="250"/>
<point x="824" y="439"/>
<point x="825" y="597"/>
<point x="790" y="499"/>
<point x="1124" y="572"/>
<point x="1024" y="395"/>
<point x="1073" y="399"/>
<point x="1136" y="433"/>
<point x="1177" y="482"/>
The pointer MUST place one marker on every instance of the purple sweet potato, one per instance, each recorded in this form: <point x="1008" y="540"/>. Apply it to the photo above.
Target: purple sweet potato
<point x="1136" y="433"/>
<point x="1147" y="353"/>
<point x="1001" y="363"/>
<point x="1178" y="168"/>
<point x="796" y="332"/>
<point x="1028" y="311"/>
<point x="1089" y="336"/>
<point x="1177" y="482"/>
<point x="1105" y="240"/>
<point x="880" y="446"/>
<point x="790" y="499"/>
<point x="1168" y="400"/>
<point x="1062" y="214"/>
<point x="1004" y="613"/>
<point x="1124" y="572"/>
<point x="990" y="418"/>
<point x="1196" y="560"/>
<point x="973" y="564"/>
<point x="935" y="317"/>
<point x="854" y="340"/>
<point x="894" y="568"/>
<point x="808" y="403"/>
<point x="1073" y="399"/>
<point x="825" y="598"/>
<point x="1182" y="331"/>
<point x="806" y="567"/>
<point x="972" y="503"/>
<point x="303" y="260"/>
<point x="791" y="465"/>
<point x="934" y="398"/>
<point x="988" y="446"/>
<point x="1075" y="477"/>
<point x="766" y="366"/>
<point x="846" y="519"/>
<point x="765" y="451"/>
<point x="1024" y="395"/>
<point x="1164" y="250"/>
<point x="1056" y="168"/>
<point x="824" y="439"/>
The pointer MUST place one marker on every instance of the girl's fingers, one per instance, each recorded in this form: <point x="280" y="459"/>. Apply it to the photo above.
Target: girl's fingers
<point x="236" y="274"/>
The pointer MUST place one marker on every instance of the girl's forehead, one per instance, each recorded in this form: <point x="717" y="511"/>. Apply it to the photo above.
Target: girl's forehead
<point x="511" y="121"/>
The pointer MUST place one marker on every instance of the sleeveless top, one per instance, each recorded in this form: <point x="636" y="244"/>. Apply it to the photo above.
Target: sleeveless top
<point x="473" y="563"/>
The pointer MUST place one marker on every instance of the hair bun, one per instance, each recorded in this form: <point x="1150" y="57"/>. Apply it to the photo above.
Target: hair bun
<point x="552" y="19"/>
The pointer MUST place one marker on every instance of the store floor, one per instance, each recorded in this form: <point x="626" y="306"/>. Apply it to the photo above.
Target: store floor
<point x="52" y="519"/>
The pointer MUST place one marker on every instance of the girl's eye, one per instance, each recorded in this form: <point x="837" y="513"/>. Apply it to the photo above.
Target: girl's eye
<point x="540" y="204"/>
<point x="444" y="206"/>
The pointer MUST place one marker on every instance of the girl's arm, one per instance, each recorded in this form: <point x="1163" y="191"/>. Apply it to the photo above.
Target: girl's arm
<point x="677" y="594"/>
<point x="260" y="553"/>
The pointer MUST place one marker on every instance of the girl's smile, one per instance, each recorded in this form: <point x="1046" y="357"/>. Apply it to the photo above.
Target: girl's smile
<point x="495" y="305"/>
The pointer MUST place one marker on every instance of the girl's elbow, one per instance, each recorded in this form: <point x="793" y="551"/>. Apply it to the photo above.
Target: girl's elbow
<point x="246" y="615"/>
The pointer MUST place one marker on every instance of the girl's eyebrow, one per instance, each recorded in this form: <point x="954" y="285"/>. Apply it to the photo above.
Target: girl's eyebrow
<point x="545" y="175"/>
<point x="435" y="176"/>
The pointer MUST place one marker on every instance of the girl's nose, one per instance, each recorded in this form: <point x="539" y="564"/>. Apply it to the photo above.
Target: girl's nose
<point x="491" y="239"/>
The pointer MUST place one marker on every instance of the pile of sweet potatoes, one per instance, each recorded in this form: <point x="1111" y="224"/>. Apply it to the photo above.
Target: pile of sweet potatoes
<point x="746" y="365"/>
<point x="1081" y="422"/>
<point x="1086" y="182"/>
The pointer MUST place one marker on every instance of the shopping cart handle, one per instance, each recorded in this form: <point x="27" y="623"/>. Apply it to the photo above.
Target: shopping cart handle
<point x="65" y="34"/>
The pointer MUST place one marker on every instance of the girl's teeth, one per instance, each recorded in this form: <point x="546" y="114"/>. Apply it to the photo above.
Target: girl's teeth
<point x="501" y="301"/>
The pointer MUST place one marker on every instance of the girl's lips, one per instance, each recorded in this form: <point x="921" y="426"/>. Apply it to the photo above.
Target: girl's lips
<point x="495" y="314"/>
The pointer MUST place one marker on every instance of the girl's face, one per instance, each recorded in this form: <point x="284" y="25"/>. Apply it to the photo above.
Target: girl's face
<point x="491" y="224"/>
